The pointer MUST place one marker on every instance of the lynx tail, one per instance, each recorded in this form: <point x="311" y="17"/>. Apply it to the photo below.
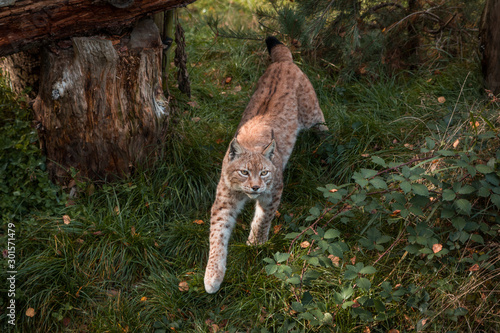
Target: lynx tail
<point x="278" y="51"/>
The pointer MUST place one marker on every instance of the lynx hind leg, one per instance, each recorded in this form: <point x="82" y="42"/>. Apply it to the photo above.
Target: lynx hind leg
<point x="310" y="113"/>
<point x="265" y="210"/>
<point x="222" y="221"/>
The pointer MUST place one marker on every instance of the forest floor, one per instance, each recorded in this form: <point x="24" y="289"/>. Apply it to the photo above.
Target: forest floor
<point x="388" y="224"/>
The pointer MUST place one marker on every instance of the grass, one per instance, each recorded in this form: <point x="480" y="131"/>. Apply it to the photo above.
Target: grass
<point x="122" y="261"/>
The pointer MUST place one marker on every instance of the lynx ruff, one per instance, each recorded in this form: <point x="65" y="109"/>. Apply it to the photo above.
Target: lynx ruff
<point x="283" y="104"/>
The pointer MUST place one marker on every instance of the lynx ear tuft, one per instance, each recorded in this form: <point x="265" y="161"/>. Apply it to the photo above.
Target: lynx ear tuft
<point x="269" y="150"/>
<point x="235" y="149"/>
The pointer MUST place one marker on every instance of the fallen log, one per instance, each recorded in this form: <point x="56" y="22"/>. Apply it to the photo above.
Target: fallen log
<point x="29" y="23"/>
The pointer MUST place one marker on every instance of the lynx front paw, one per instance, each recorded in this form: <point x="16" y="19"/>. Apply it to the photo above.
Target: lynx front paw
<point x="253" y="241"/>
<point x="213" y="280"/>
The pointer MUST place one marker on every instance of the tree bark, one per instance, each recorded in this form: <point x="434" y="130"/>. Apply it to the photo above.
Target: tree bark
<point x="100" y="106"/>
<point x="29" y="23"/>
<point x="489" y="34"/>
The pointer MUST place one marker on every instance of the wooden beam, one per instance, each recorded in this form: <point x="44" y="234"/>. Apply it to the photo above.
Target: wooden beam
<point x="29" y="23"/>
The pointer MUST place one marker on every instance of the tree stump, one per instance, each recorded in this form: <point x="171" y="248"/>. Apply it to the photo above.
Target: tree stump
<point x="100" y="107"/>
<point x="489" y="34"/>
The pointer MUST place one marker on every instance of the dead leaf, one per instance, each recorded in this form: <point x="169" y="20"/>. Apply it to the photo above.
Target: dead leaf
<point x="214" y="328"/>
<point x="366" y="330"/>
<point x="277" y="214"/>
<point x="436" y="248"/>
<point x="474" y="268"/>
<point x="335" y="260"/>
<point x="132" y="231"/>
<point x="305" y="244"/>
<point x="456" y="143"/>
<point x="193" y="104"/>
<point x="395" y="213"/>
<point x="237" y="88"/>
<point x="353" y="260"/>
<point x="66" y="219"/>
<point x="228" y="79"/>
<point x="66" y="321"/>
<point x="196" y="119"/>
<point x="144" y="298"/>
<point x="112" y="293"/>
<point x="393" y="331"/>
<point x="362" y="69"/>
<point x="117" y="210"/>
<point x="219" y="141"/>
<point x="183" y="286"/>
<point x="441" y="99"/>
<point x="198" y="222"/>
<point x="333" y="190"/>
<point x="30" y="312"/>
<point x="277" y="228"/>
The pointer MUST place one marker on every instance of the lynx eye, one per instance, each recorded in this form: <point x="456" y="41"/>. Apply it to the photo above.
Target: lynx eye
<point x="264" y="173"/>
<point x="244" y="173"/>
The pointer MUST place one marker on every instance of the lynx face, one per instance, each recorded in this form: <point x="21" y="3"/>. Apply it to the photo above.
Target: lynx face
<point x="250" y="172"/>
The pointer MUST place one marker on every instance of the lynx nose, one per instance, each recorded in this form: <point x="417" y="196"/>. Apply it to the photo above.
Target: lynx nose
<point x="255" y="188"/>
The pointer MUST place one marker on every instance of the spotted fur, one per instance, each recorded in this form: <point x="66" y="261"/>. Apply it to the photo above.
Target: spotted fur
<point x="283" y="104"/>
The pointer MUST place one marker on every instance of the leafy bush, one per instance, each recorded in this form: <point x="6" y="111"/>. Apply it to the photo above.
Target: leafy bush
<point x="24" y="185"/>
<point x="442" y="205"/>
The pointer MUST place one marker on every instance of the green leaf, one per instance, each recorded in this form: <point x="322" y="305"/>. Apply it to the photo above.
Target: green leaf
<point x="331" y="234"/>
<point x="346" y="292"/>
<point x="405" y="186"/>
<point x="463" y="206"/>
<point x="293" y="280"/>
<point x="281" y="257"/>
<point x="420" y="189"/>
<point x="368" y="270"/>
<point x="298" y="307"/>
<point x="449" y="195"/>
<point x="314" y="211"/>
<point x="467" y="189"/>
<point x="364" y="283"/>
<point x="495" y="198"/>
<point x="413" y="249"/>
<point x="459" y="223"/>
<point x="379" y="161"/>
<point x="378" y="183"/>
<point x="271" y="269"/>
<point x="430" y="143"/>
<point x="368" y="173"/>
<point x="483" y="168"/>
<point x="269" y="260"/>
<point x="477" y="238"/>
<point x="350" y="274"/>
<point x="384" y="239"/>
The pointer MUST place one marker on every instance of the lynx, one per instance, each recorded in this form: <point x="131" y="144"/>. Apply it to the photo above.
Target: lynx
<point x="283" y="104"/>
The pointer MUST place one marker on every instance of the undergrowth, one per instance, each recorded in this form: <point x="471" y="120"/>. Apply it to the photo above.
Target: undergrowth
<point x="389" y="224"/>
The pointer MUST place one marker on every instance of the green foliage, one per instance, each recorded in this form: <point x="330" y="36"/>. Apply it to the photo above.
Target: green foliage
<point x="372" y="37"/>
<point x="442" y="201"/>
<point x="24" y="184"/>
